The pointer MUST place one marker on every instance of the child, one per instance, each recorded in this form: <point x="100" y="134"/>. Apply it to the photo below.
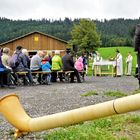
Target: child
<point x="80" y="67"/>
<point x="79" y="64"/>
<point x="45" y="65"/>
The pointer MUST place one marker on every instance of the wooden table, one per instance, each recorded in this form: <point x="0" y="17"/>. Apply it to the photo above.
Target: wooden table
<point x="104" y="63"/>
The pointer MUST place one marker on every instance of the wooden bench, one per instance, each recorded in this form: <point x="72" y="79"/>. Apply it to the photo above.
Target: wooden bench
<point x="22" y="78"/>
<point x="43" y="81"/>
<point x="66" y="74"/>
<point x="21" y="72"/>
<point x="40" y="72"/>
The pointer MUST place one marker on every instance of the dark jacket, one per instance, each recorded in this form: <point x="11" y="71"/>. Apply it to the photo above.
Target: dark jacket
<point x="67" y="61"/>
<point x="137" y="39"/>
<point x="27" y="60"/>
<point x="23" y="62"/>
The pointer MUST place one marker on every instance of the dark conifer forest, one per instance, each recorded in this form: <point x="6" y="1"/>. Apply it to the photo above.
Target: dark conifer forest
<point x="114" y="32"/>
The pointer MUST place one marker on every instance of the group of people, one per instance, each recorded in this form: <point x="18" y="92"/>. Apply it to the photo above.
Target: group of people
<point x="118" y="63"/>
<point x="42" y="61"/>
<point x="9" y="65"/>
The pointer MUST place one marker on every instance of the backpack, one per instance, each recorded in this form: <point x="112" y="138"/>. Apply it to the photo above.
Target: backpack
<point x="15" y="61"/>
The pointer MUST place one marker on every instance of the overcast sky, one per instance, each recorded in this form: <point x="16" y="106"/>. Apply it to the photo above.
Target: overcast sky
<point x="55" y="9"/>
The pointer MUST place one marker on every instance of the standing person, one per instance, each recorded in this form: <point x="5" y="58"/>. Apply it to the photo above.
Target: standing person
<point x="68" y="65"/>
<point x="56" y="66"/>
<point x="119" y="64"/>
<point x="97" y="58"/>
<point x="137" y="48"/>
<point x="85" y="63"/>
<point x="129" y="59"/>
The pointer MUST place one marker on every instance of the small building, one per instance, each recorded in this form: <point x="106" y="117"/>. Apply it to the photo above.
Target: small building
<point x="35" y="41"/>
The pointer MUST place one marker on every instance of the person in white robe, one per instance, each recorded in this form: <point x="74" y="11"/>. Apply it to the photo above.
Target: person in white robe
<point x="119" y="64"/>
<point x="129" y="59"/>
<point x="97" y="58"/>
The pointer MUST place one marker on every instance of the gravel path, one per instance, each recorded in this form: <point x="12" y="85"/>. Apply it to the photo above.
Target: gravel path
<point x="48" y="99"/>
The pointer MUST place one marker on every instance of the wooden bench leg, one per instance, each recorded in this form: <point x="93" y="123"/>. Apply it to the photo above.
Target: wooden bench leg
<point x="67" y="77"/>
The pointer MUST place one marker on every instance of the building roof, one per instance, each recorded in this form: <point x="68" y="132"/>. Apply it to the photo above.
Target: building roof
<point x="12" y="40"/>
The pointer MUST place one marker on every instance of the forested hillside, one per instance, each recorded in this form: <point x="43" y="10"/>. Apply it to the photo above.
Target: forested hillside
<point x="113" y="32"/>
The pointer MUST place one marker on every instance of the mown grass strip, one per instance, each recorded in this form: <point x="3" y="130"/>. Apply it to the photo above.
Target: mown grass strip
<point x="115" y="94"/>
<point x="90" y="93"/>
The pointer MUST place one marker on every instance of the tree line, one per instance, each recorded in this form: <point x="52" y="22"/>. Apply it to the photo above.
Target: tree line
<point x="113" y="32"/>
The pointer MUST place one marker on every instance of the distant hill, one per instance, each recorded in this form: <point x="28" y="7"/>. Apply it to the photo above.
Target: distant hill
<point x="113" y="32"/>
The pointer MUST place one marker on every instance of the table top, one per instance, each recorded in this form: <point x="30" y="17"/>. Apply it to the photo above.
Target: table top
<point x="104" y="62"/>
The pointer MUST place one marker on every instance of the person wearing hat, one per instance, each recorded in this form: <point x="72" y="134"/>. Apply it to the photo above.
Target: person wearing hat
<point x="56" y="66"/>
<point x="68" y="65"/>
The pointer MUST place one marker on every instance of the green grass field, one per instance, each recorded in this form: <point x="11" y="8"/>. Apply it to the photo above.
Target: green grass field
<point x="121" y="127"/>
<point x="110" y="52"/>
<point x="106" y="53"/>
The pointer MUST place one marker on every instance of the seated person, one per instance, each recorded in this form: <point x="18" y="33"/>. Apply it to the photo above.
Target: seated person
<point x="5" y="75"/>
<point x="79" y="66"/>
<point x="22" y="64"/>
<point x="26" y="54"/>
<point x="45" y="65"/>
<point x="50" y="57"/>
<point x="35" y="64"/>
<point x="56" y="66"/>
<point x="68" y="65"/>
<point x="5" y="61"/>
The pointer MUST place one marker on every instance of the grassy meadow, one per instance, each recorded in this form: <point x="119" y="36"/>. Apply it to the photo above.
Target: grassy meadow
<point x="121" y="127"/>
<point x="110" y="52"/>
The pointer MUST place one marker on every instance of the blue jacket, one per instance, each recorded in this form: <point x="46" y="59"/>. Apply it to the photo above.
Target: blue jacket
<point x="1" y="65"/>
<point x="46" y="66"/>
